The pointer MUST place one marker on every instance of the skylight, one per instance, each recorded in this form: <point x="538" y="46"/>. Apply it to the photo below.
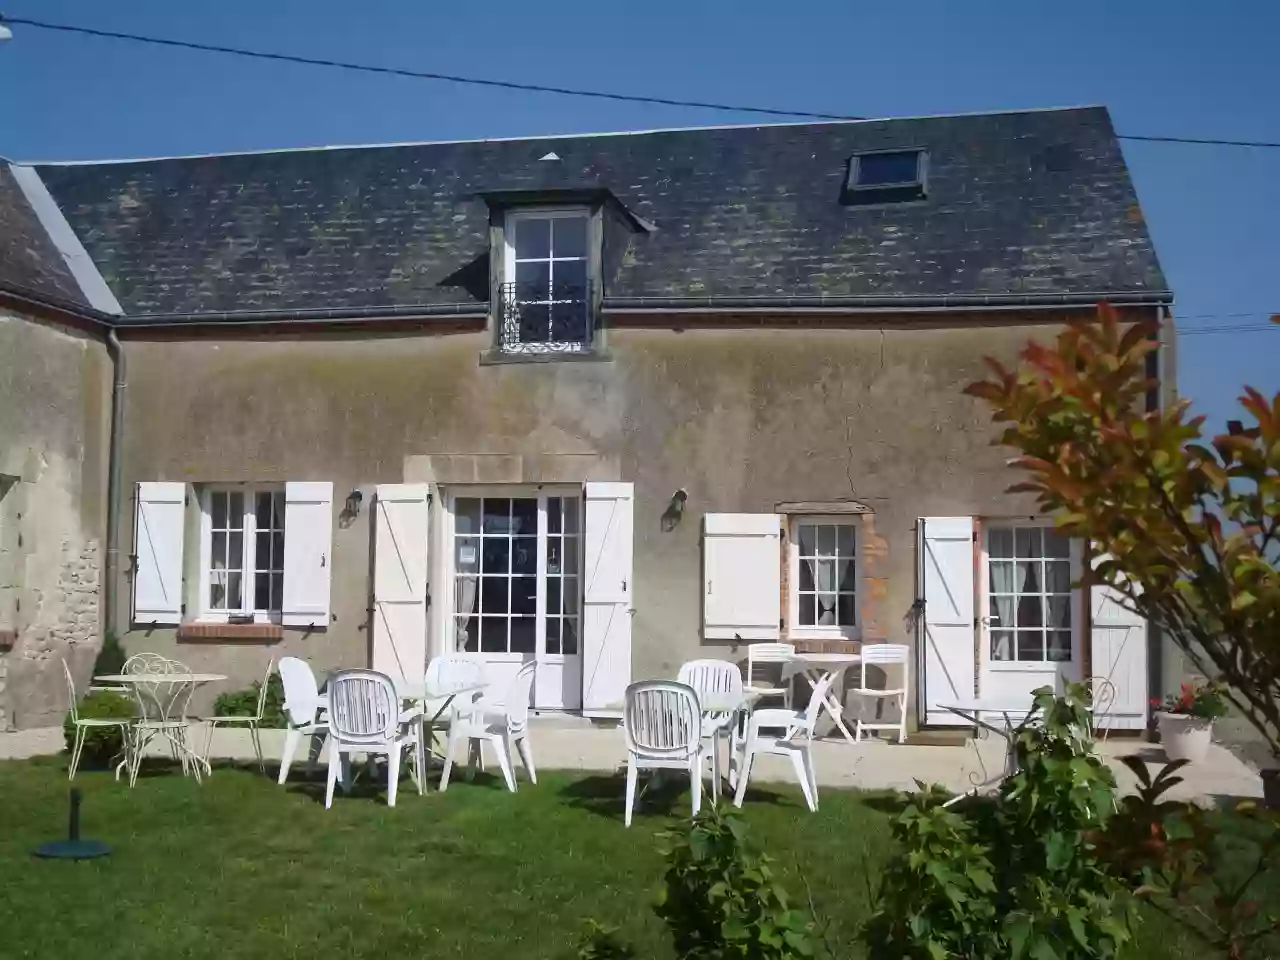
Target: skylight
<point x="886" y="176"/>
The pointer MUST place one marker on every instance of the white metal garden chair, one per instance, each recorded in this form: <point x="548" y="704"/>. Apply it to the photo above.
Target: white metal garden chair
<point x="1102" y="699"/>
<point x="84" y="724"/>
<point x="249" y="722"/>
<point x="305" y="710"/>
<point x="796" y="744"/>
<point x="884" y="656"/>
<point x="365" y="717"/>
<point x="663" y="724"/>
<point x="504" y="725"/>
<point x="162" y="711"/>
<point x="763" y="682"/>
<point x="714" y="676"/>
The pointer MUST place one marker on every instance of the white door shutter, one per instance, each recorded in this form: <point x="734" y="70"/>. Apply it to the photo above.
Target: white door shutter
<point x="400" y="580"/>
<point x="606" y="606"/>
<point x="308" y="546"/>
<point x="946" y="624"/>
<point x="1118" y="639"/>
<point x="157" y="552"/>
<point x="741" y="576"/>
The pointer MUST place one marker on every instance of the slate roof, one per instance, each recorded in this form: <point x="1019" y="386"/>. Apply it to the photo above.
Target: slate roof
<point x="30" y="264"/>
<point x="1029" y="203"/>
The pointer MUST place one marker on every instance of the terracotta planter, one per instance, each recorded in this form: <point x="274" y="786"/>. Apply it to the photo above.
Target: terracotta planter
<point x="1184" y="737"/>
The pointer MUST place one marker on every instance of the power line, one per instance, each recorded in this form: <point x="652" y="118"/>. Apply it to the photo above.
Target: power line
<point x="534" y="87"/>
<point x="1238" y="328"/>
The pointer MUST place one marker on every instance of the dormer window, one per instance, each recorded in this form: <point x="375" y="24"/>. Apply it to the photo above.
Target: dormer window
<point x="546" y="290"/>
<point x="886" y="176"/>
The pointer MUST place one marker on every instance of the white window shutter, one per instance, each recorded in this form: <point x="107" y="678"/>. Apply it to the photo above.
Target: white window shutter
<point x="607" y="606"/>
<point x="401" y="529"/>
<point x="946" y="623"/>
<point x="741" y="576"/>
<point x="308" y="547"/>
<point x="1118" y="642"/>
<point x="157" y="551"/>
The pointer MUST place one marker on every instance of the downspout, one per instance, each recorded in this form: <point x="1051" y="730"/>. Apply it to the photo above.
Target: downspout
<point x="114" y="460"/>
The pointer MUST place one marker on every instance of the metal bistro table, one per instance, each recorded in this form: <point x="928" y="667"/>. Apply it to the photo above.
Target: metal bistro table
<point x="423" y="693"/>
<point x="131" y="680"/>
<point x="815" y="667"/>
<point x="1010" y="713"/>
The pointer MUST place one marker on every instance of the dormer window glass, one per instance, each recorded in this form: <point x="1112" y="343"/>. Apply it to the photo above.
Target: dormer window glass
<point x="546" y="291"/>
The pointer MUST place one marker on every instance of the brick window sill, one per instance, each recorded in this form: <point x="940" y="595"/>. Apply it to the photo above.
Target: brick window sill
<point x="826" y="646"/>
<point x="222" y="632"/>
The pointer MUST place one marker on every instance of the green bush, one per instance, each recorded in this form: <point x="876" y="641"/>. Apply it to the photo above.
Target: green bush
<point x="101" y="744"/>
<point x="602" y="943"/>
<point x="111" y="657"/>
<point x="244" y="703"/>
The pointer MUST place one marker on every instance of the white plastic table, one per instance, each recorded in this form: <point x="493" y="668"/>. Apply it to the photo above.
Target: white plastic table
<point x="1010" y="713"/>
<point x="816" y="667"/>
<point x="195" y="679"/>
<point x="420" y="693"/>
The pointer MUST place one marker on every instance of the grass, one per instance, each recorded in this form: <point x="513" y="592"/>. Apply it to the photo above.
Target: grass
<point x="238" y="867"/>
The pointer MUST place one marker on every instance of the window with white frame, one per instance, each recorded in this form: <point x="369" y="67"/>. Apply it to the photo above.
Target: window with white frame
<point x="823" y="577"/>
<point x="1029" y="591"/>
<point x="242" y="553"/>
<point x="546" y="300"/>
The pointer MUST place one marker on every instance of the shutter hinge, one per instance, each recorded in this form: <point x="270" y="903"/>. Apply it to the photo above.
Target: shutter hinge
<point x="975" y="536"/>
<point x="182" y="609"/>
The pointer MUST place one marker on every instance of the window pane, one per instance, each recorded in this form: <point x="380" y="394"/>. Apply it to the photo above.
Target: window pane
<point x="524" y="595"/>
<point x="826" y="609"/>
<point x="235" y="599"/>
<point x="1058" y="576"/>
<point x="877" y="169"/>
<point x="1060" y="612"/>
<point x="218" y="551"/>
<point x="235" y="510"/>
<point x="493" y="594"/>
<point x="1059" y="646"/>
<point x="235" y="552"/>
<point x="569" y="636"/>
<point x="848" y="575"/>
<point x="524" y="634"/>
<point x="808" y="539"/>
<point x="493" y="634"/>
<point x="1002" y="645"/>
<point x="1056" y="545"/>
<point x="262" y="591"/>
<point x="466" y="515"/>
<point x="535" y="323"/>
<point x="1001" y="611"/>
<point x="1000" y="542"/>
<point x="467" y="554"/>
<point x="262" y="510"/>
<point x="553" y="514"/>
<point x="826" y="540"/>
<point x="569" y="321"/>
<point x="553" y="634"/>
<point x="555" y="557"/>
<point x="806" y="575"/>
<point x="1030" y="645"/>
<point x="277" y="551"/>
<point x="844" y="540"/>
<point x="277" y="593"/>
<point x="1001" y="577"/>
<point x="524" y="556"/>
<point x="571" y="596"/>
<point x="218" y="508"/>
<point x="807" y="614"/>
<point x="571" y="508"/>
<point x="571" y="556"/>
<point x="497" y="516"/>
<point x="825" y="574"/>
<point x="262" y="550"/>
<point x="569" y="280"/>
<point x="845" y="613"/>
<point x="569" y="236"/>
<point x="1028" y="577"/>
<point x="1030" y="612"/>
<point x="468" y="635"/>
<point x="1028" y="541"/>
<point x="553" y="596"/>
<point x="524" y="516"/>
<point x="533" y="281"/>
<point x="533" y="237"/>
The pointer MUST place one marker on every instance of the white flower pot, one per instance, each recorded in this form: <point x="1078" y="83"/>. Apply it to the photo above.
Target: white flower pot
<point x="1184" y="737"/>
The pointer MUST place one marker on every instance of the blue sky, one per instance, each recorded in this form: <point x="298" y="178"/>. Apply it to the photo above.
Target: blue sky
<point x="1173" y="68"/>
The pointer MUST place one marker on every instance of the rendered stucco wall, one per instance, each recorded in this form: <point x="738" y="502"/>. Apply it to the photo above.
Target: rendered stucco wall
<point x="54" y="426"/>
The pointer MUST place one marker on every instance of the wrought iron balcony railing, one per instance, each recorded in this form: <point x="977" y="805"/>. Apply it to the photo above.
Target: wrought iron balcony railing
<point x="539" y="319"/>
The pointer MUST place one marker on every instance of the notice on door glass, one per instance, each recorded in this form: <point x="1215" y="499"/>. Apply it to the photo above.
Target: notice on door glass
<point x="466" y="556"/>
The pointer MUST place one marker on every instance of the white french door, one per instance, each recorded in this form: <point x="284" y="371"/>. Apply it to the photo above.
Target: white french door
<point x="515" y="572"/>
<point x="1031" y="614"/>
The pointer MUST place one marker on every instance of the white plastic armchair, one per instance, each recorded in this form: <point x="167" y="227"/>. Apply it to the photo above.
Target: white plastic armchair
<point x="505" y="726"/>
<point x="714" y="677"/>
<point x="796" y="744"/>
<point x="885" y="655"/>
<point x="365" y="717"/>
<point x="663" y="725"/>
<point x="304" y="709"/>
<point x="84" y="724"/>
<point x="762" y="682"/>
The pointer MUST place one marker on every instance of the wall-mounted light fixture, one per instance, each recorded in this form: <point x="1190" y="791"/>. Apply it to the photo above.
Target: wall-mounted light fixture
<point x="675" y="510"/>
<point x="354" y="499"/>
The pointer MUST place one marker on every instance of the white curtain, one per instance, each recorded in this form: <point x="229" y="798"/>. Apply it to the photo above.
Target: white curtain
<point x="465" y="593"/>
<point x="827" y="576"/>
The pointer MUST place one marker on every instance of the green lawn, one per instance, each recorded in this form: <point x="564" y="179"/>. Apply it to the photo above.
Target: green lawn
<point x="238" y="867"/>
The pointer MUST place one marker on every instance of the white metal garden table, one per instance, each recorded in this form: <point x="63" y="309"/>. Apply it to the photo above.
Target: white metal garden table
<point x="131" y="680"/>
<point x="1010" y="714"/>
<point x="815" y="667"/>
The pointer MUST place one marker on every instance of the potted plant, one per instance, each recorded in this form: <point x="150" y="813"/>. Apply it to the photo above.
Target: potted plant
<point x="1186" y="720"/>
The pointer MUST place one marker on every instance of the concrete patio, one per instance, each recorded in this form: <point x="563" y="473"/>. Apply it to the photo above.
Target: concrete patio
<point x="565" y="743"/>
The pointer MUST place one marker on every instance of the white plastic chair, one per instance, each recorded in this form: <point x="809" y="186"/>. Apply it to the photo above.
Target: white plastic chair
<point x="162" y="711"/>
<point x="249" y="722"/>
<point x="457" y="670"/>
<point x="82" y="726"/>
<point x="884" y="655"/>
<point x="714" y="676"/>
<point x="365" y="717"/>
<point x="504" y="725"/>
<point x="663" y="724"/>
<point x="796" y="743"/>
<point x="770" y="653"/>
<point x="303" y="709"/>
